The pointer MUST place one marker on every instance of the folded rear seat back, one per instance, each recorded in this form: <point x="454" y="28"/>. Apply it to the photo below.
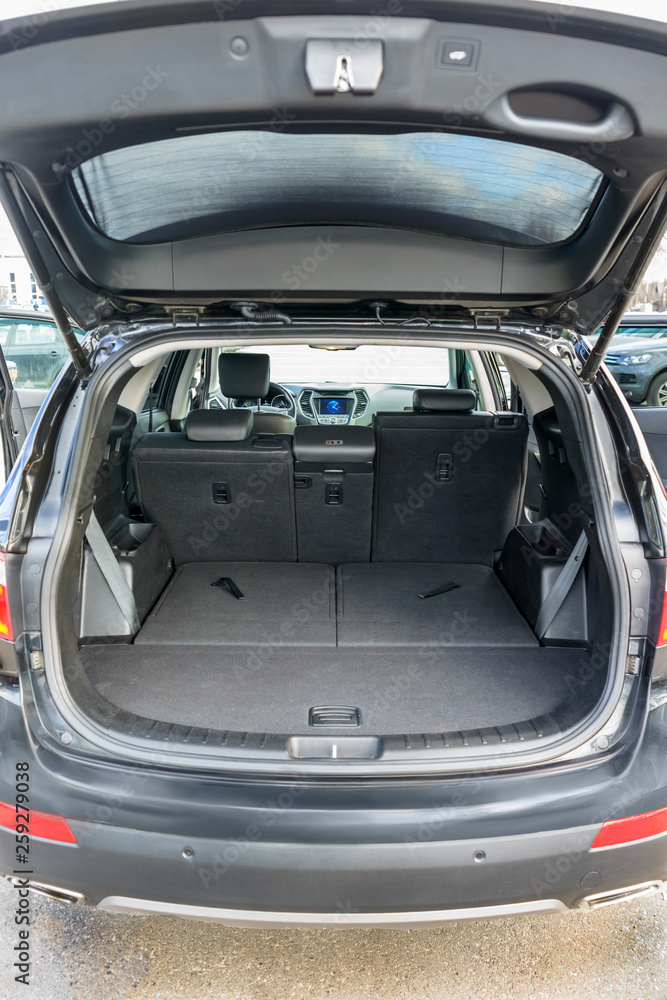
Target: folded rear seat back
<point x="333" y="479"/>
<point x="449" y="480"/>
<point x="218" y="491"/>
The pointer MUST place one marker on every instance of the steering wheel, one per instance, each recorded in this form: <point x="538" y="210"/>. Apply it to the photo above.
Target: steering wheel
<point x="275" y="391"/>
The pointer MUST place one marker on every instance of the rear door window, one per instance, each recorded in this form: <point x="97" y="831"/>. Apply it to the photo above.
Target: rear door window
<point x="34" y="351"/>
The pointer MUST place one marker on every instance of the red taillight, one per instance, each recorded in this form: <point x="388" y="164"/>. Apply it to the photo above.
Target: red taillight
<point x="631" y="828"/>
<point x="39" y="824"/>
<point x="662" y="634"/>
<point x="6" y="630"/>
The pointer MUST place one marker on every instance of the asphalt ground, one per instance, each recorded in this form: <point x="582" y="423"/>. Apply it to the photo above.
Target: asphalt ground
<point x="616" y="953"/>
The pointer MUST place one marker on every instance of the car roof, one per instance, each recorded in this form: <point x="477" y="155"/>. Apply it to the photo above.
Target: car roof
<point x="8" y="312"/>
<point x="644" y="319"/>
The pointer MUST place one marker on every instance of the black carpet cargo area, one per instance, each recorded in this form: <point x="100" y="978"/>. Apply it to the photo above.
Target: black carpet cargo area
<point x="305" y="635"/>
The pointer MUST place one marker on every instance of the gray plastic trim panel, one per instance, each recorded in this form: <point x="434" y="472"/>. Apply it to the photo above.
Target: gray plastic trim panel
<point x="274" y="918"/>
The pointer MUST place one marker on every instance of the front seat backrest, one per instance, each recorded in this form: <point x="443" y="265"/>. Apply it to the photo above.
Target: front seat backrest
<point x="248" y="376"/>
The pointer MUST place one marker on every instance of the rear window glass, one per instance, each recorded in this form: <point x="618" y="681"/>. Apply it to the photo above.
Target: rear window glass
<point x="458" y="185"/>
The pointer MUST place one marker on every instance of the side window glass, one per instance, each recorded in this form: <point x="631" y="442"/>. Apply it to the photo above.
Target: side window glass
<point x="196" y="385"/>
<point x="504" y="381"/>
<point x="28" y="333"/>
<point x="469" y="379"/>
<point x="155" y="393"/>
<point x="34" y="352"/>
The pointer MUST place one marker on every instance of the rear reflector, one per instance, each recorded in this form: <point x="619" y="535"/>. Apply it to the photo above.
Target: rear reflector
<point x="662" y="634"/>
<point x="39" y="824"/>
<point x="631" y="828"/>
<point x="6" y="631"/>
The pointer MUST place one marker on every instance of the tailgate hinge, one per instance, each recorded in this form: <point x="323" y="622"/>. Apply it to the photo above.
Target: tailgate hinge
<point x="186" y="315"/>
<point x="488" y="319"/>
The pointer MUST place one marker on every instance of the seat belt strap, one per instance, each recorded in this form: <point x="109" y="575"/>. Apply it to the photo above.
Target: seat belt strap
<point x="553" y="602"/>
<point x="112" y="573"/>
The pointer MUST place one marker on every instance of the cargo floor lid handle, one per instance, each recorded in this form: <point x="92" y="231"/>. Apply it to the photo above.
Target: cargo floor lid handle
<point x="440" y="590"/>
<point x="226" y="581"/>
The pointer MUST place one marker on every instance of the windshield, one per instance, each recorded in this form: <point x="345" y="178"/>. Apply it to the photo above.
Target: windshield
<point x="396" y="364"/>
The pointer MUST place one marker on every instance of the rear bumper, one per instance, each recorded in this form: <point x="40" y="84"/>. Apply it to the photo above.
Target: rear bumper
<point x="252" y="883"/>
<point x="357" y="853"/>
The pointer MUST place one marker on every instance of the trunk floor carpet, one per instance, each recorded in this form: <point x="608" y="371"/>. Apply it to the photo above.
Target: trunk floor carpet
<point x="290" y="604"/>
<point x="266" y="689"/>
<point x="360" y="604"/>
<point x="379" y="605"/>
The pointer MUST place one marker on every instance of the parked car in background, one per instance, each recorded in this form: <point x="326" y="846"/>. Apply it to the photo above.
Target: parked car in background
<point x="33" y="348"/>
<point x="637" y="358"/>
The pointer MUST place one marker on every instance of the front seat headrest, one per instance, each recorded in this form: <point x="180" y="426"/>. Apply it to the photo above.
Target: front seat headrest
<point x="244" y="375"/>
<point x="219" y="425"/>
<point x="452" y="400"/>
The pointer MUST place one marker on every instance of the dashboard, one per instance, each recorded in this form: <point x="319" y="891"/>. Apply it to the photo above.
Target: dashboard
<point x="333" y="403"/>
<point x="279" y="400"/>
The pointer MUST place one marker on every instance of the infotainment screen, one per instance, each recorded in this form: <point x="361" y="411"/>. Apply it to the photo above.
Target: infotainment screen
<point x="333" y="406"/>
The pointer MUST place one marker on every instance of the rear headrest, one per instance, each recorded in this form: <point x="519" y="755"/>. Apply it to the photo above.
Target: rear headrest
<point x="457" y="400"/>
<point x="219" y="425"/>
<point x="244" y="375"/>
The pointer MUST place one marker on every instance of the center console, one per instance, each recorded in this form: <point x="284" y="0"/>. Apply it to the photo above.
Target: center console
<point x="333" y="409"/>
<point x="333" y="406"/>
